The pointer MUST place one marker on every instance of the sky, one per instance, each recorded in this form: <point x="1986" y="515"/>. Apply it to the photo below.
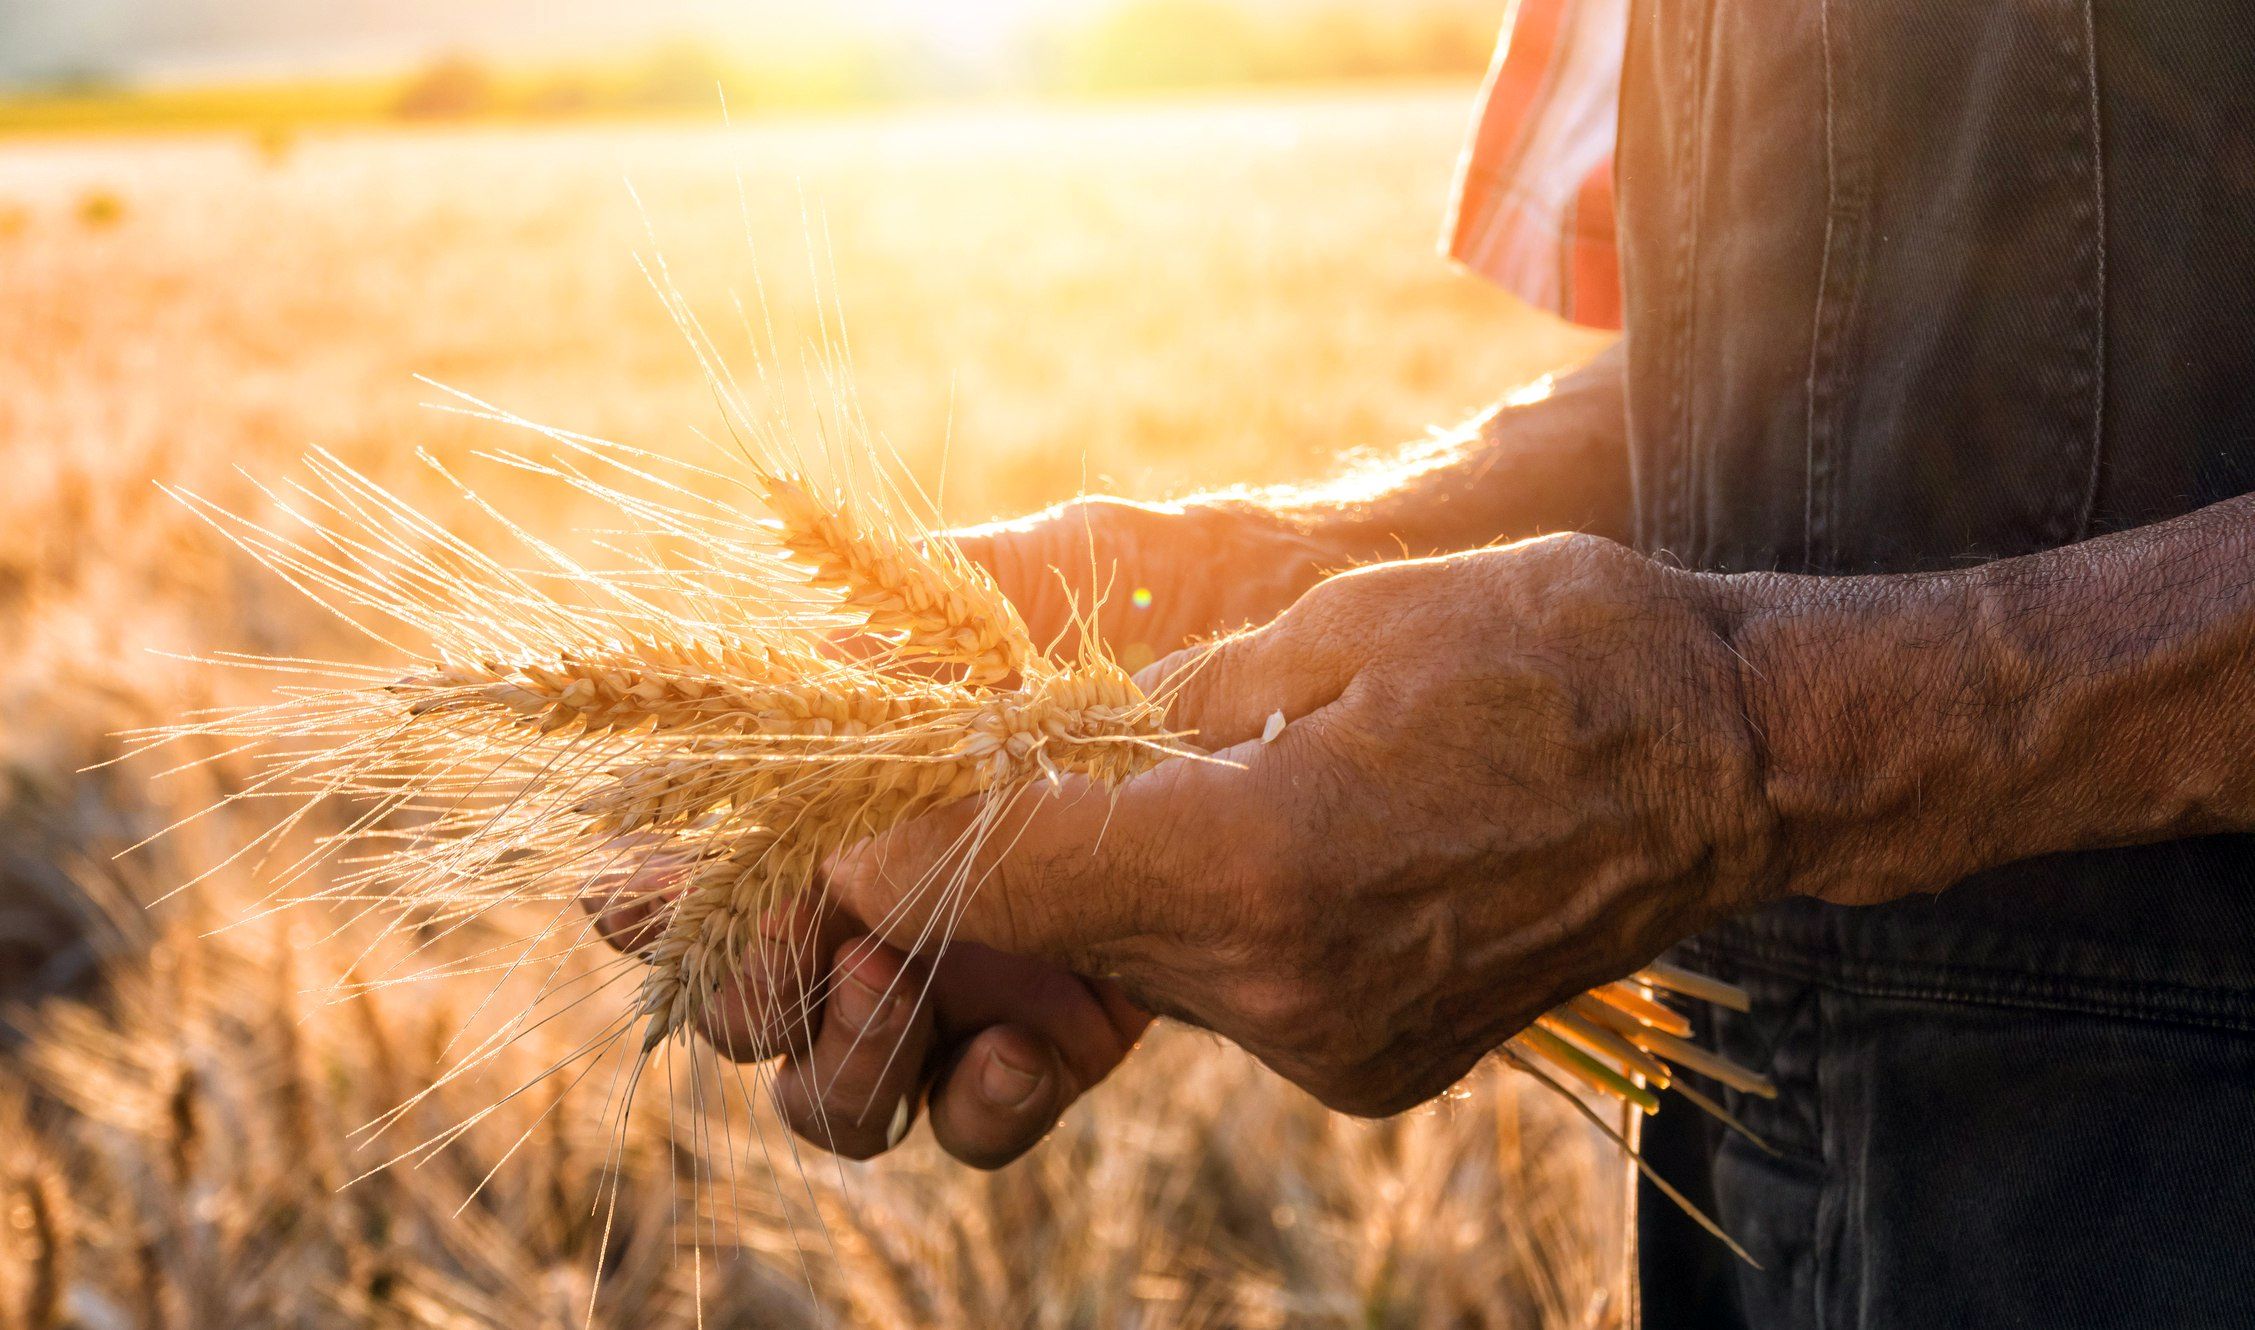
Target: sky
<point x="187" y="39"/>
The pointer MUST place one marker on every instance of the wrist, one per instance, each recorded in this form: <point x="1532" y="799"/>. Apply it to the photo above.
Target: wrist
<point x="1301" y="545"/>
<point x="1394" y="517"/>
<point x="1881" y="730"/>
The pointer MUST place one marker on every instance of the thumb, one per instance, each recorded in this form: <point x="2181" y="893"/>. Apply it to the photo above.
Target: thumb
<point x="1225" y="691"/>
<point x="1039" y="871"/>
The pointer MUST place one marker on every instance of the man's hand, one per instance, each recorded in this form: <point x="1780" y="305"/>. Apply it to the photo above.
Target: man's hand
<point x="1157" y="575"/>
<point x="996" y="1045"/>
<point x="1505" y="777"/>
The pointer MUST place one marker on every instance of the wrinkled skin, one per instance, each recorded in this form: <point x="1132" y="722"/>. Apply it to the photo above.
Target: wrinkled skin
<point x="1506" y="776"/>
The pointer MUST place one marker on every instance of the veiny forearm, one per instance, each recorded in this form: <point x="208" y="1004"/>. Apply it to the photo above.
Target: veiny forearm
<point x="1916" y="729"/>
<point x="1558" y="462"/>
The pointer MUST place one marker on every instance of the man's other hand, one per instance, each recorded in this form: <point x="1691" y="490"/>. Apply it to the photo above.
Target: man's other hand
<point x="1157" y="575"/>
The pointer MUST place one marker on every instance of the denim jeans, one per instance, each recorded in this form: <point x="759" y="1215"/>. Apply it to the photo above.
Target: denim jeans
<point x="2015" y="1140"/>
<point x="1912" y="284"/>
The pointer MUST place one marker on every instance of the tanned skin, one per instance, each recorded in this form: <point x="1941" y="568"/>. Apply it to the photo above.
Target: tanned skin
<point x="1509" y="773"/>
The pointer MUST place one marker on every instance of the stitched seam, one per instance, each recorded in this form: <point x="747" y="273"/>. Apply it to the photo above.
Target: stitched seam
<point x="1809" y="514"/>
<point x="2178" y="1003"/>
<point x="2098" y="348"/>
<point x="1816" y="332"/>
<point x="1677" y="501"/>
<point x="1780" y="956"/>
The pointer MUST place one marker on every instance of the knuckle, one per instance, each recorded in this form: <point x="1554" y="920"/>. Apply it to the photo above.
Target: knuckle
<point x="1587" y="564"/>
<point x="1098" y="509"/>
<point x="1342" y="1087"/>
<point x="1359" y="1099"/>
<point x="1339" y="601"/>
<point x="1570" y="549"/>
<point x="1110" y="523"/>
<point x="1349" y="1096"/>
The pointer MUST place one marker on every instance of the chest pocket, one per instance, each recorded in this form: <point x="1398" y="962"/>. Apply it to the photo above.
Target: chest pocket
<point x="1957" y="369"/>
<point x="1863" y="262"/>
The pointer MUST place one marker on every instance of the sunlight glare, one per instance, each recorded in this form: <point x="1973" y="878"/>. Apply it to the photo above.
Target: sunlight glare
<point x="970" y="30"/>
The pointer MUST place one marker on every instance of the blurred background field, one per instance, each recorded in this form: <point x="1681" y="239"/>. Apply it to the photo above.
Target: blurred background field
<point x="1145" y="296"/>
<point x="279" y="63"/>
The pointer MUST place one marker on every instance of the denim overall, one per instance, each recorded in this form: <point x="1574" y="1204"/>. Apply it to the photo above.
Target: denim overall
<point x="1913" y="284"/>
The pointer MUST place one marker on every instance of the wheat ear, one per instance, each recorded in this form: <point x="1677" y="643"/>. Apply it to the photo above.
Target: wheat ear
<point x="939" y="606"/>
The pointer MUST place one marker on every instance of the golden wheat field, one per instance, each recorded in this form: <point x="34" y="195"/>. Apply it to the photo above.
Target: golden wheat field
<point x="1144" y="299"/>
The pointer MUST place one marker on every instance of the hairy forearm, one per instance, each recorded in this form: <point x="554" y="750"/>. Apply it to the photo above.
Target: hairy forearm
<point x="1552" y="462"/>
<point x="1916" y="729"/>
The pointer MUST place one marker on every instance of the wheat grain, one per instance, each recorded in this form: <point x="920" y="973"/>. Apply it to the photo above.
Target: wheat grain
<point x="722" y="687"/>
<point x="942" y="607"/>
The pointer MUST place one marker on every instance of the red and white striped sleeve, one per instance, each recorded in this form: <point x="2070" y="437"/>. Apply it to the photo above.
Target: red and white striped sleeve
<point x="1533" y="205"/>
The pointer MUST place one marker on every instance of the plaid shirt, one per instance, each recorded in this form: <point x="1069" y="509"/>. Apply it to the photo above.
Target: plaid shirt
<point x="1533" y="206"/>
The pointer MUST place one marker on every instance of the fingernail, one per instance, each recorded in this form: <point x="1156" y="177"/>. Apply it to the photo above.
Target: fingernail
<point x="899" y="1127"/>
<point x="859" y="1005"/>
<point x="1007" y="1085"/>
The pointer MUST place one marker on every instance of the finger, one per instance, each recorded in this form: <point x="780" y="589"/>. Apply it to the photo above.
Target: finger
<point x="1225" y="691"/>
<point x="1054" y="871"/>
<point x="630" y="901"/>
<point x="854" y="1092"/>
<point x="771" y="1003"/>
<point x="1038" y="873"/>
<point x="631" y="925"/>
<point x="1012" y="1019"/>
<point x="1000" y="1097"/>
<point x="1090" y="1022"/>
